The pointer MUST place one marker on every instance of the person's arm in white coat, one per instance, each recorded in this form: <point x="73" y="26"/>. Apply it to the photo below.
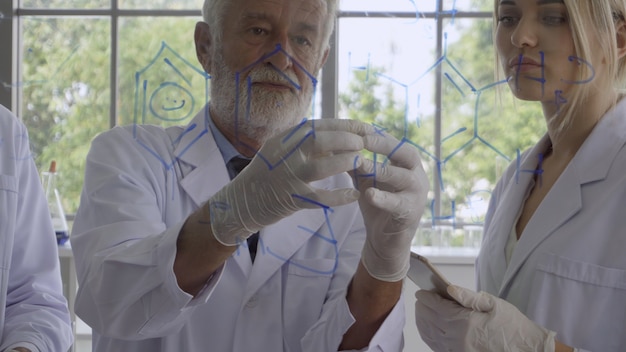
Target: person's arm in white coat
<point x="124" y="251"/>
<point x="36" y="313"/>
<point x="133" y="269"/>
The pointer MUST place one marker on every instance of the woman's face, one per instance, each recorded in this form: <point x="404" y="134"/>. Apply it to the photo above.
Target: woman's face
<point x="536" y="47"/>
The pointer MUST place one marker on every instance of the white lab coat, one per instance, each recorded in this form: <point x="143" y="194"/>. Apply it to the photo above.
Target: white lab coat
<point x="137" y="194"/>
<point x="32" y="306"/>
<point x="568" y="270"/>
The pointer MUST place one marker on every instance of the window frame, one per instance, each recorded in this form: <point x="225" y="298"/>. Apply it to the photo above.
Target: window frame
<point x="10" y="68"/>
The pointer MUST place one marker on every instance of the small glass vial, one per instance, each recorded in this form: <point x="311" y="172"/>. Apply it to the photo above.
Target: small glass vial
<point x="59" y="223"/>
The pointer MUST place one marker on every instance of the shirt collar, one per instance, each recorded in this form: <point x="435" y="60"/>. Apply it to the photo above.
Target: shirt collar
<point x="226" y="148"/>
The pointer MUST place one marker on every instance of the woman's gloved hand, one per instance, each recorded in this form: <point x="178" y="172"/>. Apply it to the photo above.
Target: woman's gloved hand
<point x="477" y="322"/>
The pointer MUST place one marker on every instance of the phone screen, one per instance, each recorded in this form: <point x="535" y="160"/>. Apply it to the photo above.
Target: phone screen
<point x="427" y="277"/>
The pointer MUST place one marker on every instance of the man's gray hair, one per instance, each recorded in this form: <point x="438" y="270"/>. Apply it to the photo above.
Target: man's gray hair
<point x="213" y="13"/>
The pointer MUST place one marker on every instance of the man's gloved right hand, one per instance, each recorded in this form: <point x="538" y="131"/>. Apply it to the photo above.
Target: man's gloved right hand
<point x="277" y="179"/>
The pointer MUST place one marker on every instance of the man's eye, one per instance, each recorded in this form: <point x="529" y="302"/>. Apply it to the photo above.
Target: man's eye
<point x="302" y="41"/>
<point x="258" y="31"/>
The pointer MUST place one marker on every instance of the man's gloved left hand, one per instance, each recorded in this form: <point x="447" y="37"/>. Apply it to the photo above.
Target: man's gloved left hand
<point x="392" y="201"/>
<point x="478" y="322"/>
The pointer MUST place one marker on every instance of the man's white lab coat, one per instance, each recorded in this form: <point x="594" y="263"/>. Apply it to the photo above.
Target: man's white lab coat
<point x="568" y="270"/>
<point x="32" y="306"/>
<point x="141" y="183"/>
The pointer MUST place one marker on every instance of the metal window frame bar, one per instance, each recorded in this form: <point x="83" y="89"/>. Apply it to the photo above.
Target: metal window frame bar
<point x="329" y="84"/>
<point x="7" y="62"/>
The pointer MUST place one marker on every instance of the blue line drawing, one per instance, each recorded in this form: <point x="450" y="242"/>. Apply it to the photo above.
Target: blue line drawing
<point x="465" y="83"/>
<point x="54" y="74"/>
<point x="538" y="171"/>
<point x="332" y="241"/>
<point x="450" y="217"/>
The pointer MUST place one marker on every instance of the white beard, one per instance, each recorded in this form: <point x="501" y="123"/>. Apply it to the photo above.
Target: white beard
<point x="261" y="113"/>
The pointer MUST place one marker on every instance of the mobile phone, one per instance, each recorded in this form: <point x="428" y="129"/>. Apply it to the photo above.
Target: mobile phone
<point x="427" y="277"/>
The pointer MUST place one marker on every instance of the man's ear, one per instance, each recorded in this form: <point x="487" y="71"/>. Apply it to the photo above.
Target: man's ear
<point x="325" y="56"/>
<point x="203" y="39"/>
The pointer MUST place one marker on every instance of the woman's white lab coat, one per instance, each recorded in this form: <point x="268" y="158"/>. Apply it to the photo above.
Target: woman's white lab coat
<point x="568" y="270"/>
<point x="32" y="306"/>
<point x="140" y="185"/>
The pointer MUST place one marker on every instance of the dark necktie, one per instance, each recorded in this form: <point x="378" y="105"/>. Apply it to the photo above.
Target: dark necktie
<point x="235" y="166"/>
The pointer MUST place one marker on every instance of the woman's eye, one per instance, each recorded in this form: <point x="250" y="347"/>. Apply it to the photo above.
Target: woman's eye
<point x="507" y="20"/>
<point x="554" y="20"/>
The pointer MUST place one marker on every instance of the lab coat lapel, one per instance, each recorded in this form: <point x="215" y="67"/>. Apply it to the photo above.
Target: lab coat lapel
<point x="591" y="163"/>
<point x="278" y="243"/>
<point x="505" y="215"/>
<point x="561" y="203"/>
<point x="204" y="171"/>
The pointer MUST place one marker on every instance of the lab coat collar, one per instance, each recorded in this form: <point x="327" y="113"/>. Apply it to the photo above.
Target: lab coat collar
<point x="591" y="163"/>
<point x="198" y="152"/>
<point x="192" y="146"/>
<point x="506" y="213"/>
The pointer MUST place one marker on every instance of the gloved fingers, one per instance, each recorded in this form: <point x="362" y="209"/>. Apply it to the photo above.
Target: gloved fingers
<point x="384" y="177"/>
<point x="302" y="143"/>
<point x="330" y="142"/>
<point x="325" y="166"/>
<point x="477" y="301"/>
<point x="399" y="153"/>
<point x="445" y="309"/>
<point x="326" y="198"/>
<point x="439" y="331"/>
<point x="345" y="125"/>
<point x="403" y="214"/>
<point x="429" y="332"/>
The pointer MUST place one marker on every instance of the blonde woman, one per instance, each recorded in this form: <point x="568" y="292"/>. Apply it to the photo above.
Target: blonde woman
<point x="551" y="273"/>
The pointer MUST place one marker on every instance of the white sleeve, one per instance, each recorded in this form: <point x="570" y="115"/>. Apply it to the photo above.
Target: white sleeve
<point x="36" y="311"/>
<point x="124" y="251"/>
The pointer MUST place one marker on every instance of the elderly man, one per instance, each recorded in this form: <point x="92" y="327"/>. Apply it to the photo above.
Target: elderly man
<point x="33" y="311"/>
<point x="166" y="220"/>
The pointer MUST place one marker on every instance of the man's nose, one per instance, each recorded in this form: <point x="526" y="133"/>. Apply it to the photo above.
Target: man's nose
<point x="279" y="53"/>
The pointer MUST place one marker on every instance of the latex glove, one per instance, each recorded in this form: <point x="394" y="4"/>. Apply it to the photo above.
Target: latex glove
<point x="478" y="322"/>
<point x="392" y="203"/>
<point x="276" y="182"/>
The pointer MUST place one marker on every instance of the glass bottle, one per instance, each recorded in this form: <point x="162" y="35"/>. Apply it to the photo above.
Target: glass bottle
<point x="59" y="223"/>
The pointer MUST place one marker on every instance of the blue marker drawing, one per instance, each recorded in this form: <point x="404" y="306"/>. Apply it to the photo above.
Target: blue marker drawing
<point x="537" y="171"/>
<point x="449" y="217"/>
<point x="50" y="78"/>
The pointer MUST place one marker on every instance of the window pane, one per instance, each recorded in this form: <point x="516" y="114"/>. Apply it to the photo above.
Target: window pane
<point x="389" y="5"/>
<point x="468" y="5"/>
<point x="65" y="93"/>
<point x="161" y="4"/>
<point x="66" y="4"/>
<point x="160" y="79"/>
<point x="481" y="129"/>
<point x="388" y="79"/>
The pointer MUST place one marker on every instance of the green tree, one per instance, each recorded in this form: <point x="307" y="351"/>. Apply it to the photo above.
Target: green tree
<point x="66" y="84"/>
<point x="482" y="125"/>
